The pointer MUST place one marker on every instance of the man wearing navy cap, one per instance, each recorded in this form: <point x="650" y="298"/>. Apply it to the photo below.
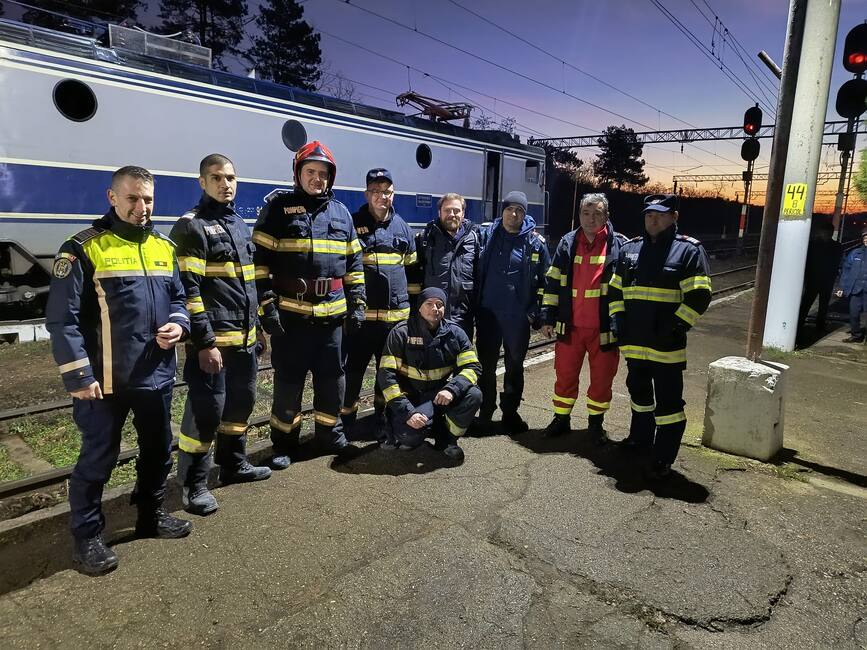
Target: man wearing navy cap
<point x="387" y="247"/>
<point x="660" y="288"/>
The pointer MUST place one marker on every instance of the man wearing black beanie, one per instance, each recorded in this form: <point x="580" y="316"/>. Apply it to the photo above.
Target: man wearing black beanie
<point x="428" y="374"/>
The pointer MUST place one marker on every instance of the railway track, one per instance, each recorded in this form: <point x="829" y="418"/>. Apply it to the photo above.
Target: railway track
<point x="58" y="476"/>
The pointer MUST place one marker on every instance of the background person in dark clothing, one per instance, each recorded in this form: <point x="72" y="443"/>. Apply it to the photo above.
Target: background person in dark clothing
<point x="512" y="266"/>
<point x="853" y="285"/>
<point x="823" y="262"/>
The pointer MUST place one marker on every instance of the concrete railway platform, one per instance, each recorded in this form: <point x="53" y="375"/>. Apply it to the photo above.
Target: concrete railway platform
<point x="529" y="543"/>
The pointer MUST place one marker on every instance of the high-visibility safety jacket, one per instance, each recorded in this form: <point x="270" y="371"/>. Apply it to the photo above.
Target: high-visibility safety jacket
<point x="450" y="263"/>
<point x="416" y="361"/>
<point x="535" y="260"/>
<point x="657" y="293"/>
<point x="215" y="257"/>
<point x="387" y="248"/>
<point x="112" y="287"/>
<point x="594" y="274"/>
<point x="299" y="237"/>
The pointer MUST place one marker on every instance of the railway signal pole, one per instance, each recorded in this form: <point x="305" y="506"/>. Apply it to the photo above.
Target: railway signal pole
<point x="749" y="152"/>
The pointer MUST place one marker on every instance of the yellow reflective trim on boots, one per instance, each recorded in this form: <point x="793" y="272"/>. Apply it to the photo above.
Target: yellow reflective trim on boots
<point x="232" y="428"/>
<point x="283" y="426"/>
<point x="192" y="446"/>
<point x="641" y="408"/>
<point x="670" y="419"/>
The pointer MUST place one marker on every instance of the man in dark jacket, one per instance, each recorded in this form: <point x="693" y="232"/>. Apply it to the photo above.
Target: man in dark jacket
<point x="853" y="285"/>
<point x="387" y="247"/>
<point x="512" y="267"/>
<point x="428" y="374"/>
<point x="660" y="288"/>
<point x="820" y="271"/>
<point x="308" y="262"/>
<point x="575" y="308"/>
<point x="215" y="257"/>
<point x="115" y="312"/>
<point x="448" y="254"/>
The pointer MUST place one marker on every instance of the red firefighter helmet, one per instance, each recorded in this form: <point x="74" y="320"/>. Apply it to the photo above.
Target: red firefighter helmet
<point x="314" y="151"/>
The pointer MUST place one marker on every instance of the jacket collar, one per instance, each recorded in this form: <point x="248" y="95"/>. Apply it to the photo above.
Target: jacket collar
<point x="110" y="221"/>
<point x="366" y="218"/>
<point x="210" y="206"/>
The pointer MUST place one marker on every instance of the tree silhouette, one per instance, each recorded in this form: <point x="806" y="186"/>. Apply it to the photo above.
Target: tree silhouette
<point x="103" y="11"/>
<point x="219" y="24"/>
<point x="287" y="50"/>
<point x="620" y="163"/>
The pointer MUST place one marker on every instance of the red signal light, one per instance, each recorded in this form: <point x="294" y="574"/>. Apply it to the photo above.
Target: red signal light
<point x="857" y="58"/>
<point x="751" y="129"/>
<point x="855" y="49"/>
<point x="753" y="120"/>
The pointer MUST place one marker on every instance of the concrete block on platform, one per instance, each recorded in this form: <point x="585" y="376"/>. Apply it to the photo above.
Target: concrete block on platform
<point x="743" y="413"/>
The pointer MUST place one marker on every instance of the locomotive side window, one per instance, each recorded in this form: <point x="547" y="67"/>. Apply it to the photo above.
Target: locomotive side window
<point x="75" y="100"/>
<point x="531" y="171"/>
<point x="294" y="135"/>
<point x="423" y="156"/>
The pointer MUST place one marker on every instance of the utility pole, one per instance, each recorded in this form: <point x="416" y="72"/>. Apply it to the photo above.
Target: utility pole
<point x="773" y="194"/>
<point x="801" y="169"/>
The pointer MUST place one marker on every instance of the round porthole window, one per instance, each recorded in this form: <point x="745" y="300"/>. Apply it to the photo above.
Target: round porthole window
<point x="75" y="100"/>
<point x="294" y="135"/>
<point x="423" y="156"/>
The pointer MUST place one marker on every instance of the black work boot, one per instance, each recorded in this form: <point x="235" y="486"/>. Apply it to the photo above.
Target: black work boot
<point x="193" y="472"/>
<point x="92" y="557"/>
<point x="159" y="523"/>
<point x="559" y="426"/>
<point x="514" y="423"/>
<point x="594" y="428"/>
<point x="658" y="471"/>
<point x="244" y="473"/>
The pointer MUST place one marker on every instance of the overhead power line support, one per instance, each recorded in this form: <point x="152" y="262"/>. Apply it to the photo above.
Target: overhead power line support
<point x="802" y="166"/>
<point x="768" y="61"/>
<point x="683" y="135"/>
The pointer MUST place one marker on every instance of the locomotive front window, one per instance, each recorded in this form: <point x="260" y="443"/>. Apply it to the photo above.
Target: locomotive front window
<point x="75" y="100"/>
<point x="423" y="156"/>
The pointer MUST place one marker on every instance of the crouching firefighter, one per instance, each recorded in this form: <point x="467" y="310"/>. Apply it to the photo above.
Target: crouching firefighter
<point x="428" y="374"/>
<point x="215" y="256"/>
<point x="308" y="263"/>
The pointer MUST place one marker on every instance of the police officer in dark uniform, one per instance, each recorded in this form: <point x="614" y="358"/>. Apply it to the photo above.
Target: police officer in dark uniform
<point x="448" y="255"/>
<point x="115" y="313"/>
<point x="388" y="247"/>
<point x="428" y="374"/>
<point x="660" y="288"/>
<point x="215" y="256"/>
<point x="308" y="263"/>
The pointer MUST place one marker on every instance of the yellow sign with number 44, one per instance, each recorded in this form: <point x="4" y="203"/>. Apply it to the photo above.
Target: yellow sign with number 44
<point x="795" y="199"/>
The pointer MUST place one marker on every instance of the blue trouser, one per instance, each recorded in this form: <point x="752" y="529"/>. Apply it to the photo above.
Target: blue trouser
<point x="656" y="393"/>
<point x="100" y="422"/>
<point x="857" y="305"/>
<point x="359" y="347"/>
<point x="512" y="332"/>
<point x="218" y="405"/>
<point x="444" y="423"/>
<point x="307" y="346"/>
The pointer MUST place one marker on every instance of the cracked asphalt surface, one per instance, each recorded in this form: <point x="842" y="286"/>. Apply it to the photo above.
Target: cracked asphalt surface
<point x="529" y="543"/>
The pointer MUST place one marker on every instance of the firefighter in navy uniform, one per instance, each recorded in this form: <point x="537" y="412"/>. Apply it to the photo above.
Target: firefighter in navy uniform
<point x="388" y="247"/>
<point x="215" y="256"/>
<point x="660" y="288"/>
<point x="428" y="374"/>
<point x="308" y="263"/>
<point x="115" y="312"/>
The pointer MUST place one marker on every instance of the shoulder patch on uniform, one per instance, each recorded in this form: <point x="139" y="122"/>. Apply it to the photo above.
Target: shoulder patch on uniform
<point x="86" y="235"/>
<point x="190" y="215"/>
<point x="691" y="240"/>
<point x="62" y="265"/>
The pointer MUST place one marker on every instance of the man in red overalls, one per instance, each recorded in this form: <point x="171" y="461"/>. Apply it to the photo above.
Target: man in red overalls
<point x="574" y="306"/>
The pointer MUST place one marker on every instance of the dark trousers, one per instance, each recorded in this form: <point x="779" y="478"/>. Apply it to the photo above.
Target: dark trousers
<point x="512" y="333"/>
<point x="444" y="423"/>
<point x="658" y="420"/>
<point x="219" y="405"/>
<point x="360" y="346"/>
<point x="466" y="323"/>
<point x="100" y="422"/>
<point x="857" y="305"/>
<point x="307" y="346"/>
<point x="811" y="291"/>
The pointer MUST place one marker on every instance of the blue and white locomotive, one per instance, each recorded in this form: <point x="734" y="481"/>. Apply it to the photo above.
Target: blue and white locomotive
<point x="73" y="111"/>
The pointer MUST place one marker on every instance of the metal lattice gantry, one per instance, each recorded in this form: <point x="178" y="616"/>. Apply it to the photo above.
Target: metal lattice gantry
<point x="823" y="177"/>
<point x="685" y="135"/>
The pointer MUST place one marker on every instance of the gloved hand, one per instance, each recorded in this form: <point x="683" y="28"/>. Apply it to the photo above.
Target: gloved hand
<point x="269" y="317"/>
<point x="353" y="322"/>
